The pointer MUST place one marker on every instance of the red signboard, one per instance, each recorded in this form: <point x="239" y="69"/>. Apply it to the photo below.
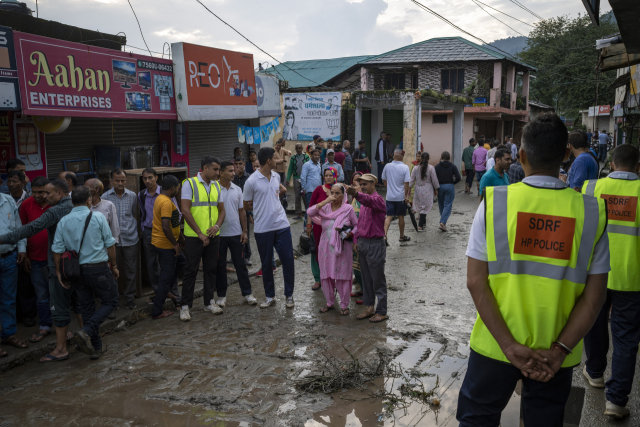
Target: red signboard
<point x="59" y="78"/>
<point x="603" y="110"/>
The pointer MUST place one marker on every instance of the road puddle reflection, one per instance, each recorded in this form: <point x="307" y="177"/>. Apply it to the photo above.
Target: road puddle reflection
<point x="428" y="365"/>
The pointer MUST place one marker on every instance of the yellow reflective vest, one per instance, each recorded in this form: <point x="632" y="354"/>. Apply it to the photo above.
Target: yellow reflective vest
<point x="540" y="243"/>
<point x="621" y="190"/>
<point x="204" y="205"/>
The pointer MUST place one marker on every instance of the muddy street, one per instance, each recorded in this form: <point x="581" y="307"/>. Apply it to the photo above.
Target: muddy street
<point x="240" y="368"/>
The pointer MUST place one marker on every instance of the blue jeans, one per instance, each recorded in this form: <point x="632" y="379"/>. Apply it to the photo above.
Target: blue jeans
<point x="281" y="240"/>
<point x="8" y="290"/>
<point x="446" y="193"/>
<point x="489" y="384"/>
<point x="40" y="281"/>
<point x="625" y="328"/>
<point x="98" y="281"/>
<point x="170" y="268"/>
<point x="602" y="152"/>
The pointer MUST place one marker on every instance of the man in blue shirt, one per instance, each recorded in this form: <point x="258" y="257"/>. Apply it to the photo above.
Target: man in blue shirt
<point x="311" y="177"/>
<point x="10" y="256"/>
<point x="96" y="277"/>
<point x="589" y="136"/>
<point x="603" y="138"/>
<point x="497" y="176"/>
<point x="585" y="166"/>
<point x="15" y="164"/>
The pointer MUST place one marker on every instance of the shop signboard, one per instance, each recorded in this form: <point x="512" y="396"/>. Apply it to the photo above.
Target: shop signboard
<point x="9" y="89"/>
<point x="309" y="114"/>
<point x="59" y="78"/>
<point x="600" y="110"/>
<point x="213" y="84"/>
<point x="268" y="94"/>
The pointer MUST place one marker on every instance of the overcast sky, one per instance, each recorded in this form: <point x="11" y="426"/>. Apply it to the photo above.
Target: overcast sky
<point x="300" y="29"/>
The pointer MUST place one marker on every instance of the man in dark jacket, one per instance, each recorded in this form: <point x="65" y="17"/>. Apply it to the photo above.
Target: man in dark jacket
<point x="57" y="195"/>
<point x="448" y="176"/>
<point x="381" y="154"/>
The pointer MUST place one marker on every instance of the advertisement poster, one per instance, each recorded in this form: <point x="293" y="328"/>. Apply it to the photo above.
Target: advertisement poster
<point x="59" y="78"/>
<point x="214" y="84"/>
<point x="9" y="88"/>
<point x="257" y="139"/>
<point x="256" y="135"/>
<point x="311" y="114"/>
<point x="268" y="94"/>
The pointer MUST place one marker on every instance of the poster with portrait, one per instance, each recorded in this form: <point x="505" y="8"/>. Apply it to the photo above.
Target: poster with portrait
<point x="241" y="134"/>
<point x="248" y="134"/>
<point x="308" y="114"/>
<point x="257" y="139"/>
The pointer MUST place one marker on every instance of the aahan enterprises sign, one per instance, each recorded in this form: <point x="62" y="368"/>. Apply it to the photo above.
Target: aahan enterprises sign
<point x="213" y="84"/>
<point x="306" y="115"/>
<point x="59" y="78"/>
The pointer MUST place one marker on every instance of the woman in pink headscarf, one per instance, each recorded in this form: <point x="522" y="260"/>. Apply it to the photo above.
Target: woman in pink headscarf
<point x="335" y="254"/>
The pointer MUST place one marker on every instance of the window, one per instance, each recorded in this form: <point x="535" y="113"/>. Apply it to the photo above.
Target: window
<point x="414" y="81"/>
<point x="439" y="118"/>
<point x="394" y="81"/>
<point x="453" y="79"/>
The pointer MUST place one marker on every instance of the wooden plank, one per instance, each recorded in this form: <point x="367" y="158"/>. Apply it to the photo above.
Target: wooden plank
<point x="619" y="61"/>
<point x="616" y="49"/>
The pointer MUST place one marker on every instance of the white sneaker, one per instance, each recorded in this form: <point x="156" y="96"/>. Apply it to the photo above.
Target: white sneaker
<point x="250" y="299"/>
<point x="594" y="382"/>
<point x="616" y="411"/>
<point x="185" y="316"/>
<point x="268" y="303"/>
<point x="213" y="307"/>
<point x="222" y="302"/>
<point x="290" y="303"/>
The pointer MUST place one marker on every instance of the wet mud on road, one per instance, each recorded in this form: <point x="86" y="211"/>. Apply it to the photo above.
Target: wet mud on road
<point x="240" y="368"/>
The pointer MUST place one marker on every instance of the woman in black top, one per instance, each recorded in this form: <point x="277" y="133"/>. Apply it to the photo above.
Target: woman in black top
<point x="448" y="176"/>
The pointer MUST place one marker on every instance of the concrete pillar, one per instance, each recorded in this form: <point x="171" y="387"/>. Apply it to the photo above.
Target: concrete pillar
<point x="456" y="135"/>
<point x="525" y="88"/>
<point x="419" y="133"/>
<point x="511" y="78"/>
<point x="377" y="126"/>
<point x="409" y="129"/>
<point x="497" y="75"/>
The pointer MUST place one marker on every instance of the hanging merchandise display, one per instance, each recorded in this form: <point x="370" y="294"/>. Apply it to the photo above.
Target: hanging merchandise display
<point x="309" y="114"/>
<point x="258" y="134"/>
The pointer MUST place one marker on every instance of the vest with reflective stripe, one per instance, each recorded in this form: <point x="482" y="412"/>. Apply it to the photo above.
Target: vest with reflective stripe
<point x="539" y="244"/>
<point x="623" y="213"/>
<point x="204" y="205"/>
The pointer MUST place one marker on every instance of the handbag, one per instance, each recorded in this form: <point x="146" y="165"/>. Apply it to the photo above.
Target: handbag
<point x="70" y="260"/>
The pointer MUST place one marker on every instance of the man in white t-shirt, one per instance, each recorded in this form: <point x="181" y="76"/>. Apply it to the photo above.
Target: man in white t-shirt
<point x="271" y="227"/>
<point x="396" y="178"/>
<point x="233" y="236"/>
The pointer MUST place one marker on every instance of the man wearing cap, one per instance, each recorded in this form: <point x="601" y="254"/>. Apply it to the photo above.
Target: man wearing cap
<point x="371" y="247"/>
<point x="331" y="163"/>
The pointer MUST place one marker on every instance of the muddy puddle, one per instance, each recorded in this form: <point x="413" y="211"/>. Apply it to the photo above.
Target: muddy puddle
<point x="438" y="366"/>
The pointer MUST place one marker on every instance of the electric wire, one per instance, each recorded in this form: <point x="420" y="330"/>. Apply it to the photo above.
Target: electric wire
<point x="502" y="22"/>
<point x="512" y="17"/>
<point x="523" y="7"/>
<point x="140" y="27"/>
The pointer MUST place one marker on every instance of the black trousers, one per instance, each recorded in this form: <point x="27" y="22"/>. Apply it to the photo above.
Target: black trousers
<point x="194" y="251"/>
<point x="489" y="384"/>
<point x="247" y="246"/>
<point x="232" y="243"/>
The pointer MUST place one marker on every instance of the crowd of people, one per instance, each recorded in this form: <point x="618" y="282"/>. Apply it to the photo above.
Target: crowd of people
<point x="549" y="235"/>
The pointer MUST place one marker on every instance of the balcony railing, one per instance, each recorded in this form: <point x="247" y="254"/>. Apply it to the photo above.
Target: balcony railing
<point x="521" y="102"/>
<point x="505" y="100"/>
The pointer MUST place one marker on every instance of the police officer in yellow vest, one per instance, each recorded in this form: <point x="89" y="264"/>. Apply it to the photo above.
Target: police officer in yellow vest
<point x="203" y="211"/>
<point x="621" y="190"/>
<point x="538" y="258"/>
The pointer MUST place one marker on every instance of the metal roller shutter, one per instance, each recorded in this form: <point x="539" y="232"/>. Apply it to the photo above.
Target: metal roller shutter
<point x="393" y="123"/>
<point x="84" y="133"/>
<point x="213" y="138"/>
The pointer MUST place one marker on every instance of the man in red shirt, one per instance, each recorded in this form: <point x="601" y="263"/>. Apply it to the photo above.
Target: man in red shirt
<point x="340" y="157"/>
<point x="35" y="263"/>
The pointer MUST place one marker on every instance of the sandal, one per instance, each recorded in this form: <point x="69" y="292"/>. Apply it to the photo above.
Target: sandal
<point x="315" y="288"/>
<point x="365" y="315"/>
<point x="378" y="318"/>
<point x="326" y="308"/>
<point x="359" y="301"/>
<point x="420" y="229"/>
<point x="49" y="358"/>
<point x="15" y="342"/>
<point x="356" y="294"/>
<point x="39" y="336"/>
<point x="344" y="311"/>
<point x="162" y="315"/>
<point x="404" y="238"/>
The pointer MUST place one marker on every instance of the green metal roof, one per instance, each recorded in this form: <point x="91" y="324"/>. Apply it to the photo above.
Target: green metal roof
<point x="316" y="72"/>
<point x="443" y="49"/>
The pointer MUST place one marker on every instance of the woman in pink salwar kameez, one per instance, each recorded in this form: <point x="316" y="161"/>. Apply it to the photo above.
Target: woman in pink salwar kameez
<point x="335" y="255"/>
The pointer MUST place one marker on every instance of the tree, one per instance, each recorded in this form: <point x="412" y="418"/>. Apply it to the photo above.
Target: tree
<point x="563" y="50"/>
